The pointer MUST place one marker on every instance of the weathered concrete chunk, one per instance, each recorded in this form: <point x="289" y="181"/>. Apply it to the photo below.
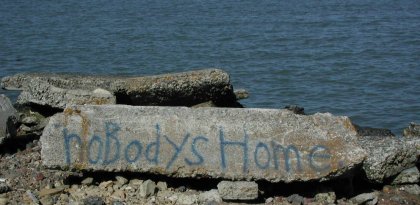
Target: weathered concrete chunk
<point x="276" y="145"/>
<point x="178" y="89"/>
<point x="238" y="190"/>
<point x="388" y="156"/>
<point x="8" y="117"/>
<point x="45" y="94"/>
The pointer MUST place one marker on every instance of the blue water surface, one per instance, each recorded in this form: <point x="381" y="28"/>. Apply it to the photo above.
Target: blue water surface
<point x="357" y="58"/>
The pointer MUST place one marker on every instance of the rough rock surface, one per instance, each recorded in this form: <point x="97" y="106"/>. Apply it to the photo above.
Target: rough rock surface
<point x="238" y="190"/>
<point x="408" y="176"/>
<point x="45" y="94"/>
<point x="8" y="117"/>
<point x="388" y="156"/>
<point x="178" y="89"/>
<point x="369" y="131"/>
<point x="274" y="145"/>
<point x="413" y="130"/>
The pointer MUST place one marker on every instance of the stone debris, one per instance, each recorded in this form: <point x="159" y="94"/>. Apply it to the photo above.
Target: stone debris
<point x="274" y="145"/>
<point x="238" y="190"/>
<point x="366" y="198"/>
<point x="296" y="199"/>
<point x="147" y="189"/>
<point x="413" y="130"/>
<point x="162" y="186"/>
<point x="295" y="109"/>
<point x="121" y="180"/>
<point x="388" y="156"/>
<point x="8" y="118"/>
<point x="87" y="181"/>
<point x="408" y="176"/>
<point x="325" y="198"/>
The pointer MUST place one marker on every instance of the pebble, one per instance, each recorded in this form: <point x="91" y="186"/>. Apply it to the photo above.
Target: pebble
<point x="408" y="176"/>
<point x="136" y="182"/>
<point x="87" y="181"/>
<point x="295" y="199"/>
<point x="93" y="200"/>
<point x="209" y="196"/>
<point x="30" y="120"/>
<point x="147" y="188"/>
<point x="105" y="184"/>
<point x="365" y="198"/>
<point x="325" y="198"/>
<point x="121" y="180"/>
<point x="162" y="186"/>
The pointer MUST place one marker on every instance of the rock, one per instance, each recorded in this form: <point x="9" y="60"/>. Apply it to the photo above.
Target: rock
<point x="121" y="180"/>
<point x="47" y="200"/>
<point x="105" y="184"/>
<point x="211" y="196"/>
<point x="45" y="94"/>
<point x="369" y="131"/>
<point x="147" y="188"/>
<point x="178" y="89"/>
<point x="387" y="156"/>
<point x="238" y="190"/>
<point x="87" y="181"/>
<point x="3" y="201"/>
<point x="413" y="130"/>
<point x="8" y="118"/>
<point x="118" y="195"/>
<point x="181" y="189"/>
<point x="32" y="197"/>
<point x="241" y="94"/>
<point x="93" y="200"/>
<point x="161" y="186"/>
<point x="296" y="199"/>
<point x="325" y="198"/>
<point x="366" y="198"/>
<point x="45" y="191"/>
<point x="4" y="188"/>
<point x="408" y="176"/>
<point x="269" y="144"/>
<point x="30" y="120"/>
<point x="295" y="109"/>
<point x="187" y="199"/>
<point x="136" y="182"/>
<point x="411" y="189"/>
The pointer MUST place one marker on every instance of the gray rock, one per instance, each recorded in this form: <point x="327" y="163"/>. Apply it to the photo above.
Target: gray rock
<point x="147" y="189"/>
<point x="45" y="94"/>
<point x="238" y="190"/>
<point x="3" y="201"/>
<point x="413" y="130"/>
<point x="296" y="199"/>
<point x="187" y="199"/>
<point x="247" y="144"/>
<point x="162" y="186"/>
<point x="209" y="197"/>
<point x="369" y="131"/>
<point x="87" y="181"/>
<point x="411" y="189"/>
<point x="295" y="109"/>
<point x="325" y="198"/>
<point x="178" y="89"/>
<point x="205" y="104"/>
<point x="93" y="200"/>
<point x="388" y="156"/>
<point x="8" y="118"/>
<point x="408" y="176"/>
<point x="366" y="198"/>
<point x="241" y="94"/>
<point x="121" y="180"/>
<point x="30" y="120"/>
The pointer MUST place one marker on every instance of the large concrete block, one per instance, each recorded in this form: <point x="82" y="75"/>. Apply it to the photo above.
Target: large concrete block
<point x="175" y="89"/>
<point x="7" y="117"/>
<point x="276" y="145"/>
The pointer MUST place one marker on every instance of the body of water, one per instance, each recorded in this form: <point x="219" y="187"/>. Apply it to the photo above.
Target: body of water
<point x="357" y="58"/>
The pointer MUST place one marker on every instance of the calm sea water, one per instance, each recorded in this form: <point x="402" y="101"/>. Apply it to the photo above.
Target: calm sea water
<point x="357" y="58"/>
